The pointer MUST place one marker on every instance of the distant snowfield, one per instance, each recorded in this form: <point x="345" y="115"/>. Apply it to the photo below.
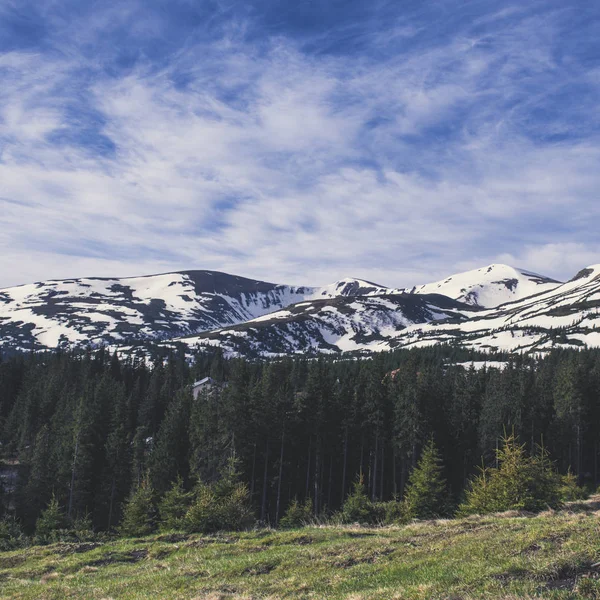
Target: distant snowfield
<point x="491" y="309"/>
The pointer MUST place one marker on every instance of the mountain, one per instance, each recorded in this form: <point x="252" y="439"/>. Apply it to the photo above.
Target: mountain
<point x="341" y="324"/>
<point x="493" y="308"/>
<point x="565" y="316"/>
<point x="489" y="286"/>
<point x="117" y="311"/>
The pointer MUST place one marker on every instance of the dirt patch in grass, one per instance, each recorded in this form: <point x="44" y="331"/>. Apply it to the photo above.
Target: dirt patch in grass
<point x="113" y="558"/>
<point x="77" y="548"/>
<point x="9" y="562"/>
<point x="162" y="553"/>
<point x="259" y="569"/>
<point x="360" y="534"/>
<point x="201" y="574"/>
<point x="346" y="562"/>
<point x="302" y="540"/>
<point x="206" y="541"/>
<point x="173" y="538"/>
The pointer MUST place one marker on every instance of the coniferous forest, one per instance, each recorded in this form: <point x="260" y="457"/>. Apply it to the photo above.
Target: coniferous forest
<point x="89" y="435"/>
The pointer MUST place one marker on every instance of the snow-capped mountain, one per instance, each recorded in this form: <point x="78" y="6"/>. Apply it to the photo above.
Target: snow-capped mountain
<point x="489" y="286"/>
<point x="357" y="324"/>
<point x="566" y="316"/>
<point x="117" y="311"/>
<point x="492" y="308"/>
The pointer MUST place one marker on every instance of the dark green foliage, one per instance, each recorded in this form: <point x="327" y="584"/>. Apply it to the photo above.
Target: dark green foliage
<point x="223" y="505"/>
<point x="51" y="521"/>
<point x="358" y="508"/>
<point x="90" y="428"/>
<point x="520" y="482"/>
<point x="138" y="513"/>
<point x="427" y="493"/>
<point x="392" y="512"/>
<point x="11" y="535"/>
<point x="297" y="515"/>
<point x="174" y="506"/>
<point x="569" y="490"/>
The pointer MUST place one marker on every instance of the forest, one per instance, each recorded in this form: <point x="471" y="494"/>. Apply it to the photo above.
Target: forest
<point x="85" y="431"/>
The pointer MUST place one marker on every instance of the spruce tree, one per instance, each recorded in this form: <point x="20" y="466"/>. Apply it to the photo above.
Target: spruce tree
<point x="224" y="505"/>
<point x="297" y="515"/>
<point x="174" y="506"/>
<point x="427" y="494"/>
<point x="519" y="482"/>
<point x="358" y="508"/>
<point x="52" y="520"/>
<point x="138" y="513"/>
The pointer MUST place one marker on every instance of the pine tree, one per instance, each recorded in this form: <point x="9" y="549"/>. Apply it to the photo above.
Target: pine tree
<point x="52" y="520"/>
<point x="427" y="493"/>
<point x="174" y="506"/>
<point x="358" y="508"/>
<point x="297" y="515"/>
<point x="138" y="514"/>
<point x="520" y="482"/>
<point x="224" y="505"/>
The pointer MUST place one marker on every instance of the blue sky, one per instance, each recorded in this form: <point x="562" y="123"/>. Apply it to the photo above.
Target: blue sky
<point x="298" y="142"/>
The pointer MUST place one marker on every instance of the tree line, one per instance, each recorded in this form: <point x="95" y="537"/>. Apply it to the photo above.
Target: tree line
<point x="88" y="433"/>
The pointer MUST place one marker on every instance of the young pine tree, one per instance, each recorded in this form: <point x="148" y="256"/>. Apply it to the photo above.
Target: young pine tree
<point x="50" y="521"/>
<point x="174" y="506"/>
<point x="297" y="515"/>
<point x="427" y="493"/>
<point x="138" y="514"/>
<point x="224" y="505"/>
<point x="519" y="482"/>
<point x="358" y="508"/>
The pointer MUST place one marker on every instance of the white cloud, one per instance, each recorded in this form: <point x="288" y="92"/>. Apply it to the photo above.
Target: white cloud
<point x="272" y="163"/>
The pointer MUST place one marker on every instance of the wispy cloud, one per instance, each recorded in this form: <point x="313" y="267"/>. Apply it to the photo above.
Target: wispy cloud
<point x="398" y="149"/>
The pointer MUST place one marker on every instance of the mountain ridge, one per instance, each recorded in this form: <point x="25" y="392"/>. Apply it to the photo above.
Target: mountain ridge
<point x="248" y="316"/>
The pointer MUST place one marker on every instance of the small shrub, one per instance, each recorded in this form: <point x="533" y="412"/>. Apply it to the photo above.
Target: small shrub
<point x="297" y="515"/>
<point x="427" y="493"/>
<point x="520" y="482"/>
<point x="174" y="506"/>
<point x="222" y="505"/>
<point x="569" y="489"/>
<point x="50" y="522"/>
<point x="394" y="512"/>
<point x="358" y="508"/>
<point x="11" y="535"/>
<point x="138" y="514"/>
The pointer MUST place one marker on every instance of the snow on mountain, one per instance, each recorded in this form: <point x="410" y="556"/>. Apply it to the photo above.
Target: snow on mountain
<point x="97" y="310"/>
<point x="350" y="287"/>
<point x="566" y="316"/>
<point x="117" y="311"/>
<point x="361" y="324"/>
<point x="496" y="308"/>
<point x="489" y="286"/>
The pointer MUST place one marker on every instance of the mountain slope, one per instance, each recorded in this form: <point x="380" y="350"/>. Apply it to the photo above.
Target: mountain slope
<point x="564" y="316"/>
<point x="523" y="313"/>
<point x="489" y="286"/>
<point x="342" y="324"/>
<point x="117" y="311"/>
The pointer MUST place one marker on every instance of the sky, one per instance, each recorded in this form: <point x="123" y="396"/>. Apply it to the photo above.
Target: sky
<point x="298" y="142"/>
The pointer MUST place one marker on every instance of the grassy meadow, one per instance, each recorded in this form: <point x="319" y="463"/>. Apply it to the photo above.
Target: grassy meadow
<point x="512" y="555"/>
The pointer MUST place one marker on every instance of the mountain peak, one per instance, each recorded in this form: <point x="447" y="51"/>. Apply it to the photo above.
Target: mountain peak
<point x="490" y="286"/>
<point x="350" y="286"/>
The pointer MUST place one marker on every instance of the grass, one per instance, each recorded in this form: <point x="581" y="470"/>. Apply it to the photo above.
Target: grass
<point x="552" y="555"/>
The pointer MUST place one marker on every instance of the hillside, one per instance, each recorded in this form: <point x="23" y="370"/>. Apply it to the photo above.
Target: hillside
<point x="553" y="555"/>
<point x="489" y="286"/>
<point x="563" y="316"/>
<point x="495" y="308"/>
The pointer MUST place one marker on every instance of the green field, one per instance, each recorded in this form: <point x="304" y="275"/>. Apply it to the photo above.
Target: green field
<point x="551" y="555"/>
